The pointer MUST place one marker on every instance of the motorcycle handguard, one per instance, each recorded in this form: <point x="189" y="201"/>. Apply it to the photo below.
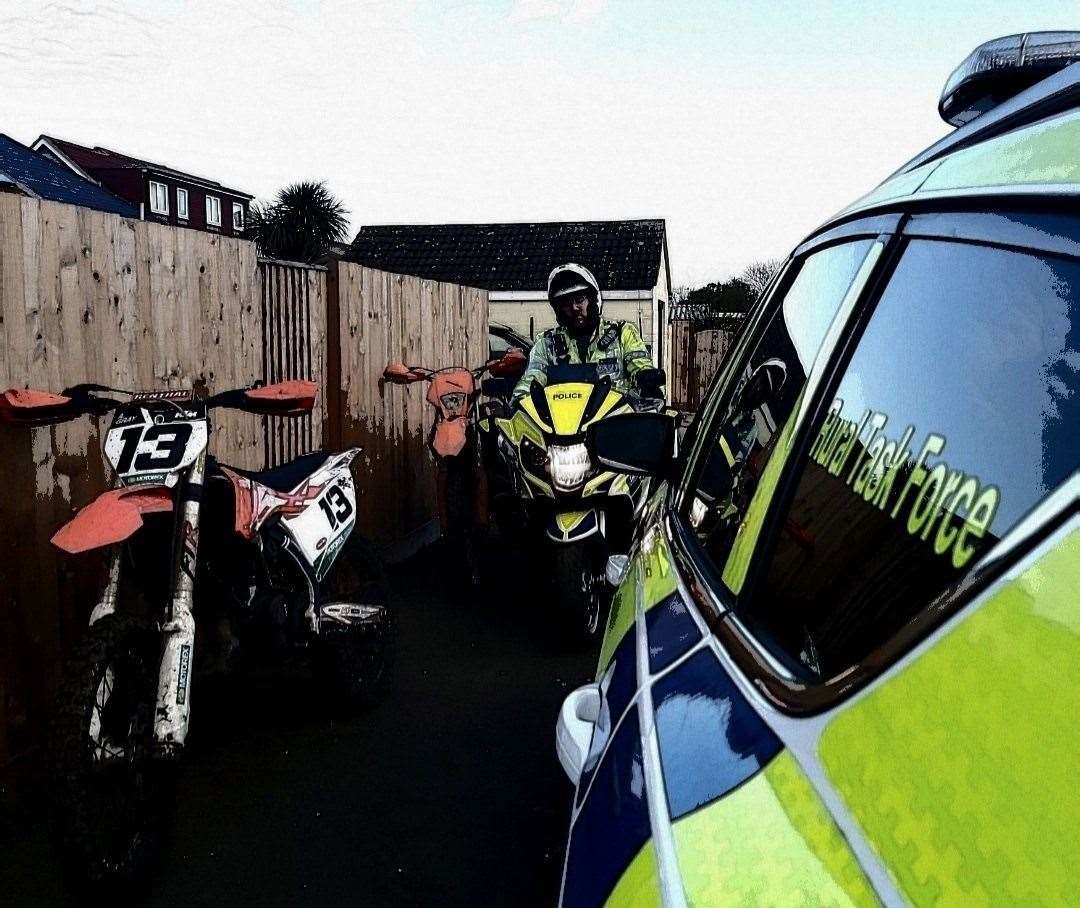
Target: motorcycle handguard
<point x="30" y="407"/>
<point x="112" y="517"/>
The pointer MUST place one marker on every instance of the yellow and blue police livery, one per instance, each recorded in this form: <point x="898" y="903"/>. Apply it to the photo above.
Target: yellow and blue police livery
<point x="840" y="667"/>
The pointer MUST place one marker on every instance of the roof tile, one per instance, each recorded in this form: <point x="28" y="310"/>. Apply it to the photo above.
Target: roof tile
<point x="624" y="255"/>
<point x="50" y="180"/>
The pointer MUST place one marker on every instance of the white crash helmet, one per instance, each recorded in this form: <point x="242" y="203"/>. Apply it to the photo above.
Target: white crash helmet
<point x="573" y="278"/>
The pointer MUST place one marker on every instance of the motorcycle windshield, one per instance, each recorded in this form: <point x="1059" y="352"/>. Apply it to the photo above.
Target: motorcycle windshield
<point x="573" y="406"/>
<point x="572" y="372"/>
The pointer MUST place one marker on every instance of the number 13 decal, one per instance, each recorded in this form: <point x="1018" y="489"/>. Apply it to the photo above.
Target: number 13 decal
<point x="335" y="506"/>
<point x="170" y="442"/>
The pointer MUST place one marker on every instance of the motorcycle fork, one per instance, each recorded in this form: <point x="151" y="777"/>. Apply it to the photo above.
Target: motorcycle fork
<point x="174" y="677"/>
<point x="106" y="603"/>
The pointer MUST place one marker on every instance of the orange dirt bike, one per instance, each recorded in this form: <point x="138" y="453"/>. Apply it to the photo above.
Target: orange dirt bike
<point x="461" y="483"/>
<point x="268" y="555"/>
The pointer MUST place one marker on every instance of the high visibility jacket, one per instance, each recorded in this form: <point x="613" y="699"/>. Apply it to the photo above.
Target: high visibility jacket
<point x="616" y="347"/>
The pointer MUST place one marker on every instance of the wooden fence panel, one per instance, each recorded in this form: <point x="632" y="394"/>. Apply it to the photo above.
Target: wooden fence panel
<point x="292" y="305"/>
<point x="385" y="317"/>
<point x="696" y="358"/>
<point x="87" y="296"/>
<point x="678" y="380"/>
<point x="711" y="348"/>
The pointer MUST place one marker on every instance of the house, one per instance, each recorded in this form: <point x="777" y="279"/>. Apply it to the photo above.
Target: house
<point x="513" y="261"/>
<point x="26" y="173"/>
<point x="159" y="193"/>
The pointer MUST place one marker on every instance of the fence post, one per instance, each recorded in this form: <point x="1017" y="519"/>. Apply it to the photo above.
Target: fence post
<point x="332" y="388"/>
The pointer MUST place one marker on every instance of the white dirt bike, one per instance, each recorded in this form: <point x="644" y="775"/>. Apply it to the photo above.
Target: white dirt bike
<point x="267" y="560"/>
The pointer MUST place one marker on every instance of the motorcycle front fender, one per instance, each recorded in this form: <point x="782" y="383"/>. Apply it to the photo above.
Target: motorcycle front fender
<point x="573" y="526"/>
<point x="450" y="436"/>
<point x="112" y="517"/>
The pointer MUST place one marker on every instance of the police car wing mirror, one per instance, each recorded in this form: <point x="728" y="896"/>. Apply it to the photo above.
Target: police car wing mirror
<point x="510" y="365"/>
<point x="640" y="444"/>
<point x="578" y="717"/>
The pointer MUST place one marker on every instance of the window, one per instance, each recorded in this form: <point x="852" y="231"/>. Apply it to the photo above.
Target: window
<point x="497" y="345"/>
<point x="181" y="204"/>
<point x="213" y="211"/>
<point x="159" y="198"/>
<point x="734" y="478"/>
<point x="501" y="339"/>
<point x="237" y="216"/>
<point x="956" y="415"/>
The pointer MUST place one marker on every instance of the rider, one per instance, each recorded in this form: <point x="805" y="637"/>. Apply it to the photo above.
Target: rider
<point x="582" y="335"/>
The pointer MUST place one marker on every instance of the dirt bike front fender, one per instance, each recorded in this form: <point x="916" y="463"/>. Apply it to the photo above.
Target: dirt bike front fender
<point x="112" y="517"/>
<point x="450" y="436"/>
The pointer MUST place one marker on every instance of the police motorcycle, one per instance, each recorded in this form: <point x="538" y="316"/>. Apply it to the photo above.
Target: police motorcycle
<point x="270" y="556"/>
<point x="575" y="513"/>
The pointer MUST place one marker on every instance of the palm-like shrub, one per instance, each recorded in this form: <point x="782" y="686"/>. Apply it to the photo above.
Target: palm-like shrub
<point x="300" y="224"/>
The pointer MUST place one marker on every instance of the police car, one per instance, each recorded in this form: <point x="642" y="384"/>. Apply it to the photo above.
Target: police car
<point x="843" y="662"/>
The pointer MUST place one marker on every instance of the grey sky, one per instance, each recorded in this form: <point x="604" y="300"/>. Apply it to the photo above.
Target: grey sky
<point x="743" y="124"/>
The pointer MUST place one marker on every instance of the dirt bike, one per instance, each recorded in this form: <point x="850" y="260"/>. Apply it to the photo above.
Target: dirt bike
<point x="461" y="482"/>
<point x="249" y="552"/>
<point x="544" y="480"/>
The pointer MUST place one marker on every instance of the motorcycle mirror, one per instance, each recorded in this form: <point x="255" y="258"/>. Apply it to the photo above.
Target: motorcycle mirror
<point x="764" y="384"/>
<point x="641" y="444"/>
<point x="399" y="374"/>
<point x="286" y="398"/>
<point x="510" y="365"/>
<point x="30" y="407"/>
<point x="497" y="387"/>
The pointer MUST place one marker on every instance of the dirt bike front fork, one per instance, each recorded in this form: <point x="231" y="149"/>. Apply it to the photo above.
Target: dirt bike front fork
<point x="178" y="628"/>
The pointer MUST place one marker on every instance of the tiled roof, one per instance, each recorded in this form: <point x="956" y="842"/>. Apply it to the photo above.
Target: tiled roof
<point x="624" y="255"/>
<point x="46" y="178"/>
<point x="98" y="158"/>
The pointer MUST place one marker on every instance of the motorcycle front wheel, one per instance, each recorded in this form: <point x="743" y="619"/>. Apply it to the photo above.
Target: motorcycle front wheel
<point x="579" y="587"/>
<point x="460" y="530"/>
<point x="110" y="795"/>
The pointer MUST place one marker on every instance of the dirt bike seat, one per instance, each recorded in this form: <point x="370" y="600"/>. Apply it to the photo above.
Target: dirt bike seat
<point x="287" y="476"/>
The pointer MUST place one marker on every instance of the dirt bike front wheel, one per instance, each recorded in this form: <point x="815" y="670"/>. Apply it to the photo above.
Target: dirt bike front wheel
<point x="110" y="795"/>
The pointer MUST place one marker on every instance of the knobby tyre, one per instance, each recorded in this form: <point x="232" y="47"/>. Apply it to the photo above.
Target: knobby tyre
<point x="111" y="797"/>
<point x="461" y="532"/>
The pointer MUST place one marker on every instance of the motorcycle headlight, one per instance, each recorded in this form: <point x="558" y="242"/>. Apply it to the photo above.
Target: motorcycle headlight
<point x="568" y="465"/>
<point x="453" y="401"/>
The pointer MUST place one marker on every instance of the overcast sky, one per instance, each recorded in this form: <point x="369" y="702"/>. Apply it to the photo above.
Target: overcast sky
<point x="744" y="124"/>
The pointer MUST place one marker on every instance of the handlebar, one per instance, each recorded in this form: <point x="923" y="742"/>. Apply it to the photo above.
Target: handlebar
<point x="29" y="406"/>
<point x="512" y="362"/>
<point x="400" y="374"/>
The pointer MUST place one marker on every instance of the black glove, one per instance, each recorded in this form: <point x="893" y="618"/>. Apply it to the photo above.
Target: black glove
<point x="650" y="382"/>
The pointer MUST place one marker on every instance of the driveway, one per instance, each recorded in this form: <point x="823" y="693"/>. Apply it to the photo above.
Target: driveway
<point x="448" y="792"/>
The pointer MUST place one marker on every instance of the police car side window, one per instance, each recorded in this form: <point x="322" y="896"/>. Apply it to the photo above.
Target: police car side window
<point x="742" y="439"/>
<point x="957" y="414"/>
